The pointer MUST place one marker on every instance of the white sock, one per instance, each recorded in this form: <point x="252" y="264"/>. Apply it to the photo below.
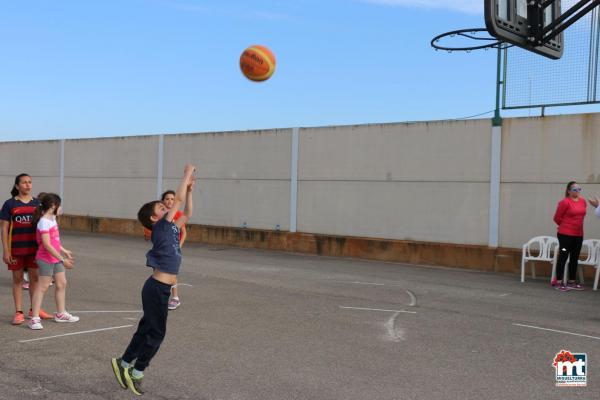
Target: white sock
<point x="137" y="374"/>
<point x="124" y="364"/>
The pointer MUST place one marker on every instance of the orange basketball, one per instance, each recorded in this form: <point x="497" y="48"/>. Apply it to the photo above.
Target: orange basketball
<point x="257" y="63"/>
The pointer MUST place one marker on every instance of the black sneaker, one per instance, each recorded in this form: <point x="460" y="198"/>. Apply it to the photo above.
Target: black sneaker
<point x="134" y="384"/>
<point x="119" y="372"/>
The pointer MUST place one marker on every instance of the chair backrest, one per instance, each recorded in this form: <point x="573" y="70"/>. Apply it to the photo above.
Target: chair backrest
<point x="546" y="245"/>
<point x="591" y="248"/>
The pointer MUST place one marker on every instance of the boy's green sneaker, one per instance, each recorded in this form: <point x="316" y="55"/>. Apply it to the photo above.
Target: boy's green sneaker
<point x="119" y="372"/>
<point x="134" y="384"/>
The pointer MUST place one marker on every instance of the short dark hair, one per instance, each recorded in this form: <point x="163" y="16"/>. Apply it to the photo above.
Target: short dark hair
<point x="147" y="211"/>
<point x="166" y="193"/>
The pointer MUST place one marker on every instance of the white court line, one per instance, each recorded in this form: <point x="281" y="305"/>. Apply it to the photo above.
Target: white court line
<point x="117" y="311"/>
<point x="358" y="283"/>
<point x="378" y="309"/>
<point x="181" y="284"/>
<point x="557" y="331"/>
<point x="76" y="333"/>
<point x="395" y="333"/>
<point x="413" y="298"/>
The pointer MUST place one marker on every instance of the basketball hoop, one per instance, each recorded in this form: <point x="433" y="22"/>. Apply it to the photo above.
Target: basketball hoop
<point x="471" y="34"/>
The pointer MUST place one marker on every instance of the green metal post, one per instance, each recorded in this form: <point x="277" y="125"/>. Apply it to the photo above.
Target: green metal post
<point x="497" y="120"/>
<point x="495" y="164"/>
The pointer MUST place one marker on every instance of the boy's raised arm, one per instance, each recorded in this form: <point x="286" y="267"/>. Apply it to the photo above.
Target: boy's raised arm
<point x="189" y="205"/>
<point x="180" y="194"/>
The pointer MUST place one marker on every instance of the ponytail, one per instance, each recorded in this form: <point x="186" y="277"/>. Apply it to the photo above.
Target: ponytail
<point x="47" y="201"/>
<point x="14" y="191"/>
<point x="37" y="214"/>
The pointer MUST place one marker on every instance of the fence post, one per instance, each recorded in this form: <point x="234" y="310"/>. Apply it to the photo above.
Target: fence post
<point x="496" y="161"/>
<point x="294" y="180"/>
<point x="159" y="173"/>
<point x="61" y="179"/>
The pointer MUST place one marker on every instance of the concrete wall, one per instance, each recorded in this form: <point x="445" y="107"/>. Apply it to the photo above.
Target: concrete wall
<point x="414" y="181"/>
<point x="421" y="181"/>
<point x="110" y="177"/>
<point x="39" y="159"/>
<point x="539" y="157"/>
<point x="243" y="177"/>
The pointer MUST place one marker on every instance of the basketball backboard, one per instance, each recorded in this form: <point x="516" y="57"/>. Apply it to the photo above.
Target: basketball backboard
<point x="514" y="21"/>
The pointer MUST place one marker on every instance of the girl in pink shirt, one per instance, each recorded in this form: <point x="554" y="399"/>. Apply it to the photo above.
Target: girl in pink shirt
<point x="569" y="216"/>
<point x="50" y="261"/>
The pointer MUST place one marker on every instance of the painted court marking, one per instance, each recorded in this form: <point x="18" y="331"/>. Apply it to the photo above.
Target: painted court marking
<point x="182" y="284"/>
<point x="364" y="283"/>
<point x="413" y="298"/>
<point x="557" y="331"/>
<point x="76" y="333"/>
<point x="395" y="333"/>
<point x="394" y="283"/>
<point x="116" y="311"/>
<point x="378" y="309"/>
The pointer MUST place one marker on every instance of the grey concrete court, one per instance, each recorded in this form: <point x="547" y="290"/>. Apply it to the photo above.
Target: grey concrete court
<point x="259" y="325"/>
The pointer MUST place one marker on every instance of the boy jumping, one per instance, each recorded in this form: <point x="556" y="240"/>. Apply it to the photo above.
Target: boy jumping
<point x="164" y="258"/>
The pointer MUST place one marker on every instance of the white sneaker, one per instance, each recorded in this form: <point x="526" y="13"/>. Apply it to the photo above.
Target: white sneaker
<point x="35" y="323"/>
<point x="65" y="317"/>
<point x="174" y="303"/>
<point x="25" y="280"/>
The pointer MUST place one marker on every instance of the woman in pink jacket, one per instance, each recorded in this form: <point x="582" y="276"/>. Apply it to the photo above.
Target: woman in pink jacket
<point x="569" y="216"/>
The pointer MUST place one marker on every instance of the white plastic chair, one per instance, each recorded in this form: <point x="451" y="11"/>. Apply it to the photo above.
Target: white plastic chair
<point x="591" y="249"/>
<point x="546" y="246"/>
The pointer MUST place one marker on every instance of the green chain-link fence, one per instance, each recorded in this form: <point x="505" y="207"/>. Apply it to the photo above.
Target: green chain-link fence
<point x="534" y="81"/>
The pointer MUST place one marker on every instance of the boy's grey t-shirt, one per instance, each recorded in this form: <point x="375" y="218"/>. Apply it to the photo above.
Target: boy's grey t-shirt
<point x="165" y="254"/>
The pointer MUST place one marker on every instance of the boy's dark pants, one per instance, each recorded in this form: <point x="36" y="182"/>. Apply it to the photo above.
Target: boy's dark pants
<point x="153" y="326"/>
